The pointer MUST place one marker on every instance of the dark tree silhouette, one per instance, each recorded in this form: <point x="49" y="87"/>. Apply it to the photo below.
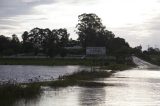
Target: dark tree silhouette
<point x="63" y="39"/>
<point x="50" y="43"/>
<point x="91" y="31"/>
<point x="5" y="45"/>
<point x="15" y="44"/>
<point x="119" y="48"/>
<point x="36" y="37"/>
<point x="26" y="44"/>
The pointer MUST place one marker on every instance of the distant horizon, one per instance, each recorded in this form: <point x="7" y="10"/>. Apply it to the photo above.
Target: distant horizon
<point x="136" y="21"/>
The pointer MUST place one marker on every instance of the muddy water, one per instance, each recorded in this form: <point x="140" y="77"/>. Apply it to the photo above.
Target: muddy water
<point x="128" y="88"/>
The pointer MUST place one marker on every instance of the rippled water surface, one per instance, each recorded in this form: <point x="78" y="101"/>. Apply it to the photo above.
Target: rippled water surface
<point x="136" y="87"/>
<point x="127" y="88"/>
<point x="22" y="73"/>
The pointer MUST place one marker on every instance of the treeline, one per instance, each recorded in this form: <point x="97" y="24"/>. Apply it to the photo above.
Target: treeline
<point x="36" y="41"/>
<point x="91" y="32"/>
<point x="151" y="54"/>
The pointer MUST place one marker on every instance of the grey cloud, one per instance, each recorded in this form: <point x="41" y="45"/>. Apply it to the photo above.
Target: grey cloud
<point x="13" y="8"/>
<point x="150" y="30"/>
<point x="7" y="27"/>
<point x="154" y="24"/>
<point x="19" y="7"/>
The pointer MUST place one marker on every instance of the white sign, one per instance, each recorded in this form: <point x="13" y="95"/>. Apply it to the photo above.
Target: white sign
<point x="95" y="51"/>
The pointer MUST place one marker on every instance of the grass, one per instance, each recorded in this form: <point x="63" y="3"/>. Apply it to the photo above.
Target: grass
<point x="12" y="93"/>
<point x="81" y="78"/>
<point x="52" y="62"/>
<point x="155" y="59"/>
<point x="9" y="94"/>
<point x="118" y="67"/>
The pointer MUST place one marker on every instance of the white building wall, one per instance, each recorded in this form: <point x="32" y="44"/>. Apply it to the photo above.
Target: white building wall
<point x="95" y="51"/>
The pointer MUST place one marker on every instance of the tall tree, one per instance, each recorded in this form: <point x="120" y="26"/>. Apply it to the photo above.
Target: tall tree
<point x="63" y="37"/>
<point x="36" y="37"/>
<point x="63" y="40"/>
<point x="50" y="43"/>
<point x="15" y="44"/>
<point x="119" y="48"/>
<point x="5" y="45"/>
<point x="91" y="31"/>
<point x="26" y="43"/>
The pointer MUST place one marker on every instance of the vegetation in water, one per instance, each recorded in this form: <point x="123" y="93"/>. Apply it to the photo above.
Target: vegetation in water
<point x="81" y="78"/>
<point x="11" y="93"/>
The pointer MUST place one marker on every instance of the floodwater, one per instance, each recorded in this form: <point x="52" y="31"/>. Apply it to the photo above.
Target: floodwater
<point x="127" y="88"/>
<point x="27" y="74"/>
<point x="135" y="87"/>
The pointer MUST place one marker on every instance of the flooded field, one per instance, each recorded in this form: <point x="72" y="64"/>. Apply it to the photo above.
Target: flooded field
<point x="128" y="88"/>
<point x="135" y="87"/>
<point x="26" y="74"/>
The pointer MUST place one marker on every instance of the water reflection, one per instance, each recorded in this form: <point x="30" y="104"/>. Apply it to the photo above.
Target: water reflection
<point x="24" y="73"/>
<point x="132" y="88"/>
<point x="19" y="99"/>
<point x="92" y="96"/>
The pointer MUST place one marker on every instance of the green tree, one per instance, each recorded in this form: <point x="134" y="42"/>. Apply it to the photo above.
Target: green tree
<point x="50" y="43"/>
<point x="63" y="40"/>
<point x="91" y="31"/>
<point x="119" y="48"/>
<point x="36" y="37"/>
<point x="26" y="44"/>
<point x="15" y="44"/>
<point x="5" y="43"/>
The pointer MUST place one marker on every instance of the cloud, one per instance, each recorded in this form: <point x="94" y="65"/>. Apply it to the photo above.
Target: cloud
<point x="11" y="8"/>
<point x="135" y="20"/>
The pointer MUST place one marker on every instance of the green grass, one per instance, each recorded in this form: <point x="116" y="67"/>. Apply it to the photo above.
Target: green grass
<point x="81" y="78"/>
<point x="155" y="59"/>
<point x="118" y="67"/>
<point x="12" y="93"/>
<point x="51" y="62"/>
<point x="9" y="94"/>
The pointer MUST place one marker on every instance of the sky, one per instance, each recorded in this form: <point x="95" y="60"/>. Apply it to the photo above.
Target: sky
<point x="137" y="21"/>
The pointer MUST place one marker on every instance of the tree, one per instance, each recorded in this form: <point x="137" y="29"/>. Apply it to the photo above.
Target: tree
<point x="63" y="39"/>
<point x="25" y="36"/>
<point x="36" y="37"/>
<point x="91" y="31"/>
<point x="137" y="50"/>
<point x="119" y="48"/>
<point x="45" y="41"/>
<point x="5" y="45"/>
<point x="50" y="43"/>
<point x="26" y="43"/>
<point x="15" y="44"/>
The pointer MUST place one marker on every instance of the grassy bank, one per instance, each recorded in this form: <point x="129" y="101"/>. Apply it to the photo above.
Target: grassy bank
<point x="9" y="94"/>
<point x="81" y="78"/>
<point x="154" y="59"/>
<point x="111" y="63"/>
<point x="50" y="61"/>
